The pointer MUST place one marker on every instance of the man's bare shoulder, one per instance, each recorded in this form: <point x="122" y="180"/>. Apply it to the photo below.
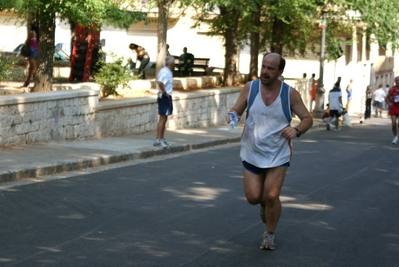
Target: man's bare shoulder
<point x="247" y="86"/>
<point x="293" y="90"/>
<point x="294" y="94"/>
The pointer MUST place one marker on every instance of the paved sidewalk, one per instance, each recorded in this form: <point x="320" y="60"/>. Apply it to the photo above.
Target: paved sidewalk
<point x="30" y="161"/>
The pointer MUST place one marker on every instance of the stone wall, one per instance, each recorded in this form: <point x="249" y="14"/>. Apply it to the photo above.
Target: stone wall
<point x="41" y="117"/>
<point x="190" y="110"/>
<point x="78" y="114"/>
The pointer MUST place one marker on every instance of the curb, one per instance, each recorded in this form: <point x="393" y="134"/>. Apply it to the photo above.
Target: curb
<point x="70" y="165"/>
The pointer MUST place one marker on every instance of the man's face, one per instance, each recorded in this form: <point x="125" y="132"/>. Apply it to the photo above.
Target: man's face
<point x="269" y="72"/>
<point x="397" y="82"/>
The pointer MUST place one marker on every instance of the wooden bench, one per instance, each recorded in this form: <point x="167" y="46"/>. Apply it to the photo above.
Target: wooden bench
<point x="199" y="67"/>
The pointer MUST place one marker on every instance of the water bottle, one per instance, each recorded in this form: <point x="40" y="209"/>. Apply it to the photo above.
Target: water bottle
<point x="234" y="118"/>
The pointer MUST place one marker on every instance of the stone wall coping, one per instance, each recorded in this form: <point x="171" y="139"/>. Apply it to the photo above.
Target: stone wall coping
<point x="105" y="104"/>
<point x="128" y="102"/>
<point x="76" y="86"/>
<point x="125" y="102"/>
<point x="46" y="96"/>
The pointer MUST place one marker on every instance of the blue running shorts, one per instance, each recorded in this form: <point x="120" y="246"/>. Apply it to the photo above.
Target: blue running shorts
<point x="257" y="170"/>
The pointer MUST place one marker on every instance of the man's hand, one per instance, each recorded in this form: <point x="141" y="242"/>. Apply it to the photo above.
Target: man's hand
<point x="289" y="132"/>
<point x="232" y="114"/>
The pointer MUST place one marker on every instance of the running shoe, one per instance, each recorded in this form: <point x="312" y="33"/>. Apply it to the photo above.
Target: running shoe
<point x="268" y="242"/>
<point x="395" y="140"/>
<point x="164" y="140"/>
<point x="160" y="143"/>
<point x="336" y="129"/>
<point x="328" y="126"/>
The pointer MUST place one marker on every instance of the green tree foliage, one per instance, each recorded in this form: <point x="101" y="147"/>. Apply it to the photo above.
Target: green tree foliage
<point x="283" y="26"/>
<point x="290" y="27"/>
<point x="224" y="19"/>
<point x="370" y="17"/>
<point x="287" y="27"/>
<point x="380" y="18"/>
<point x="6" y="63"/>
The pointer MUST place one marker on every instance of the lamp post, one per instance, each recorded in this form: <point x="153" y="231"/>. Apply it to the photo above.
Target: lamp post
<point x="319" y="106"/>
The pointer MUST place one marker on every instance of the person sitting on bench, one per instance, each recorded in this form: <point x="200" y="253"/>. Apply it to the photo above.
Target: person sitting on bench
<point x="186" y="62"/>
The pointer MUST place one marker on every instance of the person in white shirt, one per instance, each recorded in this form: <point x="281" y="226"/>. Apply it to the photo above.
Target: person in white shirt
<point x="379" y="96"/>
<point x="165" y="104"/>
<point x="335" y="102"/>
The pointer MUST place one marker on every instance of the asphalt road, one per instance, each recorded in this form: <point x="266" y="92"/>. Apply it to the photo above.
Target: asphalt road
<point x="340" y="208"/>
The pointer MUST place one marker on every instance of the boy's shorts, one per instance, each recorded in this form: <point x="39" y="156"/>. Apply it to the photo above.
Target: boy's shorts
<point x="334" y="113"/>
<point x="165" y="105"/>
<point x="377" y="104"/>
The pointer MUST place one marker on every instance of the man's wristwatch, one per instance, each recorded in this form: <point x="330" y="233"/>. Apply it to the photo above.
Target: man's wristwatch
<point x="298" y="133"/>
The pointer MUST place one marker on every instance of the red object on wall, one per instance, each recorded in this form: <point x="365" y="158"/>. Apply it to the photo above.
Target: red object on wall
<point x="86" y="41"/>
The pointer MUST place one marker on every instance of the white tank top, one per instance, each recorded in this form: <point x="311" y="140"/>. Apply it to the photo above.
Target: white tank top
<point x="261" y="143"/>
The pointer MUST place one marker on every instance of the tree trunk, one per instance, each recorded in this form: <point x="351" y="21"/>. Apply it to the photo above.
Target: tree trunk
<point x="277" y="33"/>
<point x="44" y="72"/>
<point x="162" y="28"/>
<point x="231" y="44"/>
<point x="254" y="46"/>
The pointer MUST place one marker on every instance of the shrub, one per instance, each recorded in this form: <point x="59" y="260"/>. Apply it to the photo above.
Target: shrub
<point x="112" y="74"/>
<point x="5" y="67"/>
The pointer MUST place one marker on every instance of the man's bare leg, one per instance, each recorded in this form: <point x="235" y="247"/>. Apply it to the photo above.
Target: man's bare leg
<point x="271" y="198"/>
<point x="394" y="120"/>
<point x="253" y="187"/>
<point x="161" y="126"/>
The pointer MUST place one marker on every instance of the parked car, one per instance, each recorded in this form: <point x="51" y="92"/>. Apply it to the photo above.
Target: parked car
<point x="59" y="54"/>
